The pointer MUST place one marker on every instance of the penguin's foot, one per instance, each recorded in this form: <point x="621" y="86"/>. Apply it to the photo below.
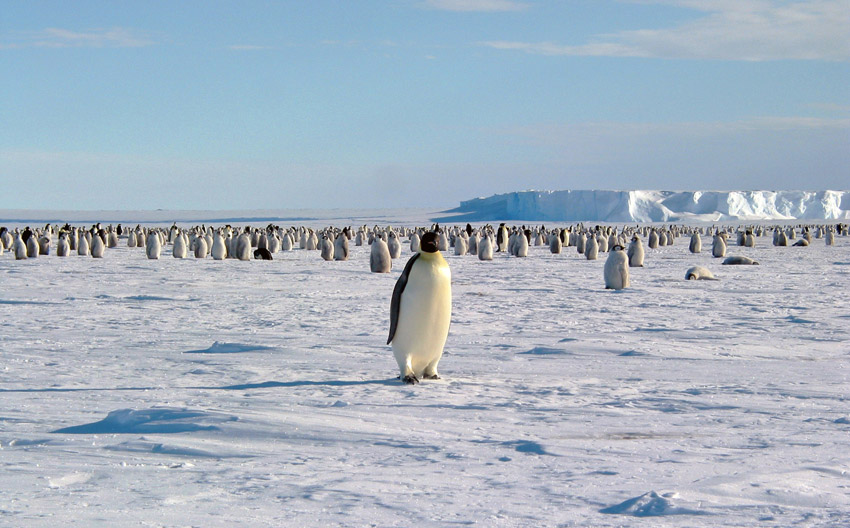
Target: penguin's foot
<point x="410" y="379"/>
<point x="431" y="376"/>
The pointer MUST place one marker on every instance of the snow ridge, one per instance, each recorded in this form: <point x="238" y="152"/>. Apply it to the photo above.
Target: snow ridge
<point x="655" y="206"/>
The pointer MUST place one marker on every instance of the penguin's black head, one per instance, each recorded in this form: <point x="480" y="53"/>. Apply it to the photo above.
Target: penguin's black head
<point x="429" y="242"/>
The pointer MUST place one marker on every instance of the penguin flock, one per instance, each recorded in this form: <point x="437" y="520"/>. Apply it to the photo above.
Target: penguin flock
<point x="386" y="242"/>
<point x="420" y="306"/>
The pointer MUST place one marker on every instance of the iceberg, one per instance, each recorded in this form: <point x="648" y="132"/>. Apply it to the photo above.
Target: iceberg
<point x="653" y="206"/>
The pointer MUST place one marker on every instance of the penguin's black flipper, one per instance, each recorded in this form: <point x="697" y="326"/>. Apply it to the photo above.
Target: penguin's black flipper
<point x="395" y="303"/>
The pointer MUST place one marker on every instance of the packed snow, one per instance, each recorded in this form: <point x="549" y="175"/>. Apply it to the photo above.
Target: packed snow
<point x="656" y="206"/>
<point x="202" y="392"/>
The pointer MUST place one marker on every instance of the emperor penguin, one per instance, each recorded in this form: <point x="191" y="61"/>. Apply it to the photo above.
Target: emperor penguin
<point x="243" y="247"/>
<point x="699" y="273"/>
<point x="616" y="269"/>
<point x="555" y="243"/>
<point x="200" y="247"/>
<point x="738" y="260"/>
<point x="219" y="248"/>
<point x="393" y="245"/>
<point x="749" y="239"/>
<point x="718" y="246"/>
<point x="62" y="246"/>
<point x="19" y="247"/>
<point x="829" y="238"/>
<point x="696" y="243"/>
<point x="82" y="245"/>
<point x="443" y="243"/>
<point x="327" y="247"/>
<point x="97" y="247"/>
<point x="6" y="239"/>
<point x="653" y="239"/>
<point x="179" y="248"/>
<point x="153" y="246"/>
<point x="262" y="254"/>
<point x="591" y="248"/>
<point x="501" y="238"/>
<point x="521" y="248"/>
<point x="379" y="257"/>
<point x="44" y="244"/>
<point x="461" y="246"/>
<point x="473" y="243"/>
<point x="286" y="242"/>
<point x="602" y="240"/>
<point x="635" y="252"/>
<point x="33" y="248"/>
<point x="420" y="312"/>
<point x="341" y="246"/>
<point x="485" y="248"/>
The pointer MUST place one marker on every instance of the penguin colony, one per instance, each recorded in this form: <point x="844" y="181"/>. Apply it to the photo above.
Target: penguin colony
<point x="420" y="306"/>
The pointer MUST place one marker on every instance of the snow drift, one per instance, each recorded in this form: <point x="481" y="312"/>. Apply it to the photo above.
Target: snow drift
<point x="655" y="206"/>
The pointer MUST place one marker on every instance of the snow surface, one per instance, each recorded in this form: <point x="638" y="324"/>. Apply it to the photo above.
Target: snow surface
<point x="195" y="392"/>
<point x="655" y="206"/>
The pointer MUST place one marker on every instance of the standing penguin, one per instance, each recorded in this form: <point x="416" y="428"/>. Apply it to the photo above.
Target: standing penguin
<point x="555" y="242"/>
<point x="829" y="238"/>
<point x="179" y="248"/>
<point x="243" y="247"/>
<point x="635" y="252"/>
<point x="62" y="246"/>
<point x="219" y="248"/>
<point x="19" y="248"/>
<point x="379" y="257"/>
<point x="393" y="245"/>
<point x="97" y="247"/>
<point x="485" y="248"/>
<point x="696" y="243"/>
<point x="33" y="248"/>
<point x="153" y="246"/>
<point x="502" y="238"/>
<point x="327" y="247"/>
<point x="82" y="245"/>
<point x="200" y="247"/>
<point x="341" y="246"/>
<point x="420" y="312"/>
<point x="591" y="248"/>
<point x="718" y="246"/>
<point x="617" y="269"/>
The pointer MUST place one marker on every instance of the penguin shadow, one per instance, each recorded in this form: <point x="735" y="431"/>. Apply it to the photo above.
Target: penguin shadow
<point x="304" y="383"/>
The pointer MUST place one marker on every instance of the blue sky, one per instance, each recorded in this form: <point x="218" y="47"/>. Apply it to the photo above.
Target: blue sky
<point x="415" y="103"/>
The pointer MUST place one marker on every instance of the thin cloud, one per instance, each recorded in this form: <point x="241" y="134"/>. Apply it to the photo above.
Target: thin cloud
<point x="749" y="30"/>
<point x="561" y="136"/>
<point x="475" y="5"/>
<point x="248" y="47"/>
<point x="115" y="37"/>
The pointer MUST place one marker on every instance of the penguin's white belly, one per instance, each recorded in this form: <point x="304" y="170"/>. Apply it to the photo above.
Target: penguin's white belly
<point x="424" y="316"/>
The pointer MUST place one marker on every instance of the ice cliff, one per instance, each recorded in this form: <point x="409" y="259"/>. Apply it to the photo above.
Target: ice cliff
<point x="654" y="206"/>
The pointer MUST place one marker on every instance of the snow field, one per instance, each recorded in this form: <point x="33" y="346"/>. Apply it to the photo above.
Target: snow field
<point x="198" y="392"/>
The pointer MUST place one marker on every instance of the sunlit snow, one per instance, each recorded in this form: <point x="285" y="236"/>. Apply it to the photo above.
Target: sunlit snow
<point x="197" y="392"/>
